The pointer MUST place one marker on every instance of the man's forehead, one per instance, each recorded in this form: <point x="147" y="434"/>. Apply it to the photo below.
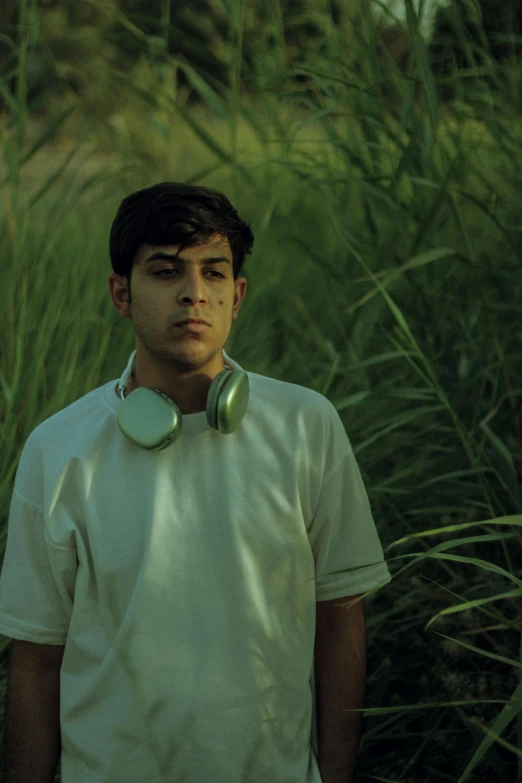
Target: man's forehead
<point x="197" y="248"/>
<point x="215" y="239"/>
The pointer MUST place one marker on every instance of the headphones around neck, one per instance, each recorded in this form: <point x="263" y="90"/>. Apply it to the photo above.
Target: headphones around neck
<point x="153" y="421"/>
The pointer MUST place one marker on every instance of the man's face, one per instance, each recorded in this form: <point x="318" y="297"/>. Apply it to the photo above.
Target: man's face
<point x="168" y="290"/>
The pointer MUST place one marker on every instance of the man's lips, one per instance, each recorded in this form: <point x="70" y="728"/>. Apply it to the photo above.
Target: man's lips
<point x="193" y="326"/>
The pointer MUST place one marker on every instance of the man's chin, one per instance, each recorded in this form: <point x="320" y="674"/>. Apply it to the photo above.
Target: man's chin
<point x="191" y="358"/>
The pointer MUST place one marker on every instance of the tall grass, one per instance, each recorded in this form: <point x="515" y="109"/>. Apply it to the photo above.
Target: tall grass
<point x="385" y="275"/>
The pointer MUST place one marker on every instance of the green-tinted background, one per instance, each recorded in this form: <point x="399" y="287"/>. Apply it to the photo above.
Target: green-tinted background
<point x="378" y="160"/>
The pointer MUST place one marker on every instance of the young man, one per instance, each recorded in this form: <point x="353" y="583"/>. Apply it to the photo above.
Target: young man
<point x="179" y="540"/>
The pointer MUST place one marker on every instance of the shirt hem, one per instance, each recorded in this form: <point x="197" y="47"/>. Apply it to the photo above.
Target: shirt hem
<point x="38" y="637"/>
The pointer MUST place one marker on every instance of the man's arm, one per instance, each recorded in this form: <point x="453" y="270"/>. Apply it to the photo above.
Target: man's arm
<point x="340" y="677"/>
<point x="32" y="742"/>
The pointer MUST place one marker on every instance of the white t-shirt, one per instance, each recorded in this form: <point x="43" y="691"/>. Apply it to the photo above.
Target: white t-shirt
<point x="183" y="583"/>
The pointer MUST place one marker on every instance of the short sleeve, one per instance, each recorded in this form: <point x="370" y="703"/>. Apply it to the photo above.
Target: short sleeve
<point x="38" y="578"/>
<point x="348" y="554"/>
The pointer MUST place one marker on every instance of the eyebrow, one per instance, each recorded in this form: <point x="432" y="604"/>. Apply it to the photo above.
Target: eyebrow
<point x="161" y="254"/>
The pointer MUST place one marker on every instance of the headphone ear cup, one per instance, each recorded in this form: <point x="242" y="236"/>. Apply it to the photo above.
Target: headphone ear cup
<point x="227" y="400"/>
<point x="149" y="418"/>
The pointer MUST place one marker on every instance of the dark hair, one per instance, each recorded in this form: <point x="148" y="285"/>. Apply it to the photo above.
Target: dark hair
<point x="173" y="213"/>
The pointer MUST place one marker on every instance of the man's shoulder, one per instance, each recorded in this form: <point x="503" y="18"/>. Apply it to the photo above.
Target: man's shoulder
<point x="67" y="420"/>
<point x="289" y="397"/>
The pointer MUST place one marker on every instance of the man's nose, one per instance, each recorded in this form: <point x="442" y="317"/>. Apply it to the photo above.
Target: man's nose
<point x="192" y="285"/>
